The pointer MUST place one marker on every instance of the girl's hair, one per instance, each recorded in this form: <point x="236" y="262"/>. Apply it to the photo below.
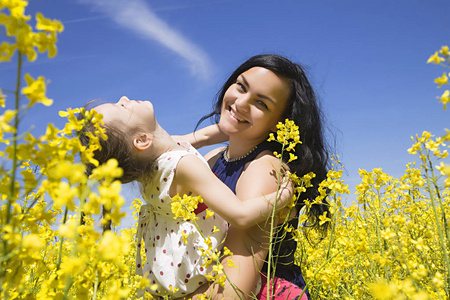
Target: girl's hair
<point x="117" y="145"/>
<point x="302" y="108"/>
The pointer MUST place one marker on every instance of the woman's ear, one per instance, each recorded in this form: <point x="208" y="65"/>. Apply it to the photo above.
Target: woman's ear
<point x="143" y="141"/>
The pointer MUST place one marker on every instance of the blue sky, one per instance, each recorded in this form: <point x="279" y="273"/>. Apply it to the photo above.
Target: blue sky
<point x="366" y="60"/>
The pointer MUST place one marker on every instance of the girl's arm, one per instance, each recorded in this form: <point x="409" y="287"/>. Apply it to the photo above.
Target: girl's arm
<point x="206" y="136"/>
<point x="250" y="245"/>
<point x="193" y="176"/>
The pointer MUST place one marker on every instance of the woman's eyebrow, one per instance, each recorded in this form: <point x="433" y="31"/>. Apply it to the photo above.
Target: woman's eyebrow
<point x="245" y="80"/>
<point x="259" y="95"/>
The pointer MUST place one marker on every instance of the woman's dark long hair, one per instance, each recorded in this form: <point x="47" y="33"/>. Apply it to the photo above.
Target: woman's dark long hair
<point x="302" y="108"/>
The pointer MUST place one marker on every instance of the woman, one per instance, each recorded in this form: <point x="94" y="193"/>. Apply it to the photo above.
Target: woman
<point x="263" y="91"/>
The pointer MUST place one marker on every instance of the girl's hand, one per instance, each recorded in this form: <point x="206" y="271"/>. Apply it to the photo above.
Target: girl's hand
<point x="207" y="136"/>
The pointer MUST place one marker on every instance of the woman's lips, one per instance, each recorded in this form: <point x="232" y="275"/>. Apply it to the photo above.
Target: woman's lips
<point x="235" y="116"/>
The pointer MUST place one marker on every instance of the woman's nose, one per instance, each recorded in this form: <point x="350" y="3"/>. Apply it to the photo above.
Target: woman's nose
<point x="242" y="103"/>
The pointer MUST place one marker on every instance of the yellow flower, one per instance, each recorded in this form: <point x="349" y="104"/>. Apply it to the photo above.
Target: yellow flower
<point x="226" y="251"/>
<point x="382" y="290"/>
<point x="432" y="145"/>
<point x="46" y="42"/>
<point x="184" y="237"/>
<point x="287" y="134"/>
<point x="208" y="241"/>
<point x="445" y="99"/>
<point x="110" y="194"/>
<point x="35" y="91"/>
<point x="323" y="219"/>
<point x="26" y="42"/>
<point x="64" y="169"/>
<point x="14" y="4"/>
<point x="446" y="137"/>
<point x="32" y="242"/>
<point x="5" y="121"/>
<point x="116" y="215"/>
<point x="184" y="207"/>
<point x="14" y="20"/>
<point x="442" y="80"/>
<point x="292" y="157"/>
<point x="218" y="269"/>
<point x="110" y="247"/>
<point x="276" y="154"/>
<point x="69" y="229"/>
<point x="420" y="273"/>
<point x="108" y="171"/>
<point x="444" y="50"/>
<point x="445" y="170"/>
<point x="422" y="295"/>
<point x="435" y="59"/>
<point x="302" y="219"/>
<point x="204" y="296"/>
<point x="438" y="280"/>
<point x="6" y="51"/>
<point x="48" y="25"/>
<point x="209" y="213"/>
<point x="230" y="263"/>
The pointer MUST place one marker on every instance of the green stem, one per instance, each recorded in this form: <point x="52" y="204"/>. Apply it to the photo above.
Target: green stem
<point x="438" y="227"/>
<point x="377" y="214"/>
<point x="12" y="188"/>
<point x="272" y="222"/>
<point x="95" y="284"/>
<point x="331" y="236"/>
<point x="61" y="242"/>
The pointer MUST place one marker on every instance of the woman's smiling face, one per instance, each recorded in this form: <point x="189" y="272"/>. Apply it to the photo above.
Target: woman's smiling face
<point x="254" y="104"/>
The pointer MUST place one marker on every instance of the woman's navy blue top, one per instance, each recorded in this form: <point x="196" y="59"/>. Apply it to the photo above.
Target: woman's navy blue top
<point x="229" y="173"/>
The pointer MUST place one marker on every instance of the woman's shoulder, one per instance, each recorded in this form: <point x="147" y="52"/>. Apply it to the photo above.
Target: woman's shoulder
<point x="264" y="163"/>
<point x="265" y="158"/>
<point x="212" y="156"/>
<point x="260" y="176"/>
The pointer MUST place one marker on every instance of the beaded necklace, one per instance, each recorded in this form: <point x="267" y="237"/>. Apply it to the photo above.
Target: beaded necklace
<point x="228" y="160"/>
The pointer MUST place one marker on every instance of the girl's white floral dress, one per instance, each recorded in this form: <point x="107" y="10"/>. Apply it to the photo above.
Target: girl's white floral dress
<point x="171" y="264"/>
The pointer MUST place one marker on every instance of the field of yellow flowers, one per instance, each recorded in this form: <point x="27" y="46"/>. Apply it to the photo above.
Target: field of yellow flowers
<point x="392" y="243"/>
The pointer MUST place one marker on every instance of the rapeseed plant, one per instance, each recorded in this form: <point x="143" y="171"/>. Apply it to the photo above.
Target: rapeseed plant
<point x="50" y="245"/>
<point x="393" y="241"/>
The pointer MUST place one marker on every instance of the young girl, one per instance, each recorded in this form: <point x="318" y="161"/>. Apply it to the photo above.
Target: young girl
<point x="264" y="90"/>
<point x="165" y="168"/>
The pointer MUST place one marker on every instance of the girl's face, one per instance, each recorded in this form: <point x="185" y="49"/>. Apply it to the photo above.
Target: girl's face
<point x="129" y="114"/>
<point x="254" y="104"/>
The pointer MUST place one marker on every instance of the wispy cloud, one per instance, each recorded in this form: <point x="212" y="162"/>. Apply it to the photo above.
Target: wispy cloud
<point x="137" y="16"/>
<point x="83" y="20"/>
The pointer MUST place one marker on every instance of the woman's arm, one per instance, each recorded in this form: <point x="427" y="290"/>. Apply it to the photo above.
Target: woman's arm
<point x="206" y="136"/>
<point x="193" y="176"/>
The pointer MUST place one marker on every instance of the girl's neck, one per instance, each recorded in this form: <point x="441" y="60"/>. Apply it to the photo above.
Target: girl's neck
<point x="238" y="148"/>
<point x="162" y="142"/>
